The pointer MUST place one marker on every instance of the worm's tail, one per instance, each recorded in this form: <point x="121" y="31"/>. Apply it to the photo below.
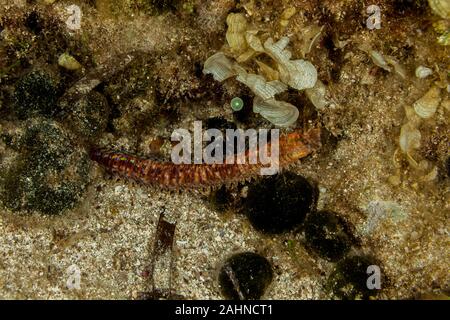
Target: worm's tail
<point x="124" y="165"/>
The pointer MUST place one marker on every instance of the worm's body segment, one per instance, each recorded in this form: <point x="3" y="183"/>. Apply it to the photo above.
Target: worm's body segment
<point x="292" y="147"/>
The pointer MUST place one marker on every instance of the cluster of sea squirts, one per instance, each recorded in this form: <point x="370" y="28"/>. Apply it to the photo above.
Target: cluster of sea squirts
<point x="286" y="204"/>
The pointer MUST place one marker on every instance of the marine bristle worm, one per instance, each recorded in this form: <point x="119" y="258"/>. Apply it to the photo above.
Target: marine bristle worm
<point x="292" y="147"/>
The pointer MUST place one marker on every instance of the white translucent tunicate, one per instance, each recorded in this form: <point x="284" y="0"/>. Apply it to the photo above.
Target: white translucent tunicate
<point x="219" y="66"/>
<point x="267" y="71"/>
<point x="412" y="116"/>
<point x="298" y="74"/>
<point x="260" y="87"/>
<point x="426" y="106"/>
<point x="237" y="24"/>
<point x="280" y="113"/>
<point x="278" y="50"/>
<point x="317" y="95"/>
<point x="409" y="138"/>
<point x="253" y="41"/>
<point x="379" y="60"/>
<point x="440" y="7"/>
<point x="384" y="61"/>
<point x="378" y="211"/>
<point x="423" y="72"/>
<point x="398" y="68"/>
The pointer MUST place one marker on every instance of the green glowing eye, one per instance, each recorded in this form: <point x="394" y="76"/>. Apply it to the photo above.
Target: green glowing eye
<point x="237" y="104"/>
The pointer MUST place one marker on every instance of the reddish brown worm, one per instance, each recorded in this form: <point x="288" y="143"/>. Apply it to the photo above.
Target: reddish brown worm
<point x="292" y="147"/>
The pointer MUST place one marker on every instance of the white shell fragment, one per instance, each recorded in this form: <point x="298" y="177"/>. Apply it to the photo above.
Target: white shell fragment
<point x="260" y="87"/>
<point x="317" y="95"/>
<point x="219" y="66"/>
<point x="423" y="72"/>
<point x="409" y="138"/>
<point x="280" y="113"/>
<point x="426" y="106"/>
<point x="298" y="74"/>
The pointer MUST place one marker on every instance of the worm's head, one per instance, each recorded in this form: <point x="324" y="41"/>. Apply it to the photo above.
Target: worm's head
<point x="299" y="145"/>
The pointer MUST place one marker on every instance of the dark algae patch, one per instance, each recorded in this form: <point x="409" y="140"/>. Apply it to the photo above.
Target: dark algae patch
<point x="89" y="115"/>
<point x="49" y="174"/>
<point x="35" y="93"/>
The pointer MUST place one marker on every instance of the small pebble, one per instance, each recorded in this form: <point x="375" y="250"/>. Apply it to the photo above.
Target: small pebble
<point x="68" y="62"/>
